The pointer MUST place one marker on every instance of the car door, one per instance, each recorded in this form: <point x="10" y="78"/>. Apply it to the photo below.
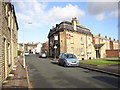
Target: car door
<point x="60" y="58"/>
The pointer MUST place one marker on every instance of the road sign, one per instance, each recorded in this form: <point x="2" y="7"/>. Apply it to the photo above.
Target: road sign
<point x="55" y="46"/>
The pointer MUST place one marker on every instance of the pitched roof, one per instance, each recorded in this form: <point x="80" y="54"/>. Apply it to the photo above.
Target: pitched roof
<point x="68" y="25"/>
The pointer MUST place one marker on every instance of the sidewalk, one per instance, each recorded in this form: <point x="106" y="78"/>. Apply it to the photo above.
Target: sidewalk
<point x="20" y="78"/>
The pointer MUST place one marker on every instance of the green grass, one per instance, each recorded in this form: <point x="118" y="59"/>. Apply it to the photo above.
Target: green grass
<point x="102" y="62"/>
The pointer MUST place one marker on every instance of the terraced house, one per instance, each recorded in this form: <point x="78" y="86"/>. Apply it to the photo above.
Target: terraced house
<point x="106" y="47"/>
<point x="70" y="37"/>
<point x="8" y="39"/>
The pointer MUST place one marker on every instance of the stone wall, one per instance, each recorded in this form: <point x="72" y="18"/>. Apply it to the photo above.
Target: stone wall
<point x="7" y="59"/>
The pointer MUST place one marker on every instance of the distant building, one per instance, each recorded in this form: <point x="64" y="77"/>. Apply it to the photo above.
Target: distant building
<point x="105" y="47"/>
<point x="8" y="39"/>
<point x="30" y="47"/>
<point x="70" y="37"/>
<point x="38" y="48"/>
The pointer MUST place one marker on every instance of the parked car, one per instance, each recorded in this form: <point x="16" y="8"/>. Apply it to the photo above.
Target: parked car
<point x="26" y="53"/>
<point x="43" y="55"/>
<point x="68" y="59"/>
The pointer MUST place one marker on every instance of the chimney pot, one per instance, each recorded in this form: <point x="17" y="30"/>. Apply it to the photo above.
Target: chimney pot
<point x="109" y="38"/>
<point x="99" y="34"/>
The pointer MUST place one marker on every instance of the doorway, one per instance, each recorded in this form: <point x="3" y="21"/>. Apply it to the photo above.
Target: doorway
<point x="5" y="57"/>
<point x="97" y="54"/>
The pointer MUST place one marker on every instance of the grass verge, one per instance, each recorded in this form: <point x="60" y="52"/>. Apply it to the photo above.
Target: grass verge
<point x="102" y="62"/>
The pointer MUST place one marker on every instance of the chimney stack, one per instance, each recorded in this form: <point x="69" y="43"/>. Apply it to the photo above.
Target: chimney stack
<point x="75" y="22"/>
<point x="52" y="27"/>
<point x="99" y="34"/>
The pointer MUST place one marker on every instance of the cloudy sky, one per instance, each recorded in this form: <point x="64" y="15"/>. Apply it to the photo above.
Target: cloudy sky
<point x="100" y="17"/>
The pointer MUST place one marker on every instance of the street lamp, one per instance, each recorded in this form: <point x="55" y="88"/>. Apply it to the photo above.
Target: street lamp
<point x="55" y="47"/>
<point x="24" y="64"/>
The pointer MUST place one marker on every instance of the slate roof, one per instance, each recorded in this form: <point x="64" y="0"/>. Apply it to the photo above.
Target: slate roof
<point x="68" y="25"/>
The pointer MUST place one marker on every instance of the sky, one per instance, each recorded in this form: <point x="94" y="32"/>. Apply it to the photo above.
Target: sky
<point x="35" y="18"/>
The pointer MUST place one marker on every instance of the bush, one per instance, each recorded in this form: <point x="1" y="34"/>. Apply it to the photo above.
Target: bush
<point x="19" y="52"/>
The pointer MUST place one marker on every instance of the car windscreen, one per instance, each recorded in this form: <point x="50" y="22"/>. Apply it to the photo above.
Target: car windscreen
<point x="70" y="56"/>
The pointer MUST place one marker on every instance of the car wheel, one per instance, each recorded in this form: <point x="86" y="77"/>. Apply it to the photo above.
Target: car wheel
<point x="59" y="63"/>
<point x="64" y="64"/>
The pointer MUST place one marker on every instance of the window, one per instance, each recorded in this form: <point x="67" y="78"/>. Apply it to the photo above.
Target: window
<point x="72" y="40"/>
<point x="97" y="39"/>
<point x="82" y="41"/>
<point x="89" y="51"/>
<point x="82" y="51"/>
<point x="89" y="42"/>
<point x="9" y="62"/>
<point x="9" y="19"/>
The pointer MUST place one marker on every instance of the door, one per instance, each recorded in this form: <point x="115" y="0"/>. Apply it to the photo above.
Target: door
<point x="5" y="57"/>
<point x="97" y="54"/>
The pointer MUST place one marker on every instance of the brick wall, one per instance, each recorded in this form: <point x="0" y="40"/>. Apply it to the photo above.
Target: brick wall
<point x="112" y="53"/>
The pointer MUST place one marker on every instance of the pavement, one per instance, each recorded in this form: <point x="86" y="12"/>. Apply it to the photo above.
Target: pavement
<point x="18" y="78"/>
<point x="21" y="79"/>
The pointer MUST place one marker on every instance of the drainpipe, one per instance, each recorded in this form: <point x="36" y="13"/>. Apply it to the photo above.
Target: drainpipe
<point x="12" y="62"/>
<point x="86" y="47"/>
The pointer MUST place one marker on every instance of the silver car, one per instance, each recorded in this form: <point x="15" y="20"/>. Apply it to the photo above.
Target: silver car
<point x="43" y="55"/>
<point x="68" y="59"/>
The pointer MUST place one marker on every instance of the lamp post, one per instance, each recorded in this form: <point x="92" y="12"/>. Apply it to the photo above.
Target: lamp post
<point x="55" y="47"/>
<point x="24" y="64"/>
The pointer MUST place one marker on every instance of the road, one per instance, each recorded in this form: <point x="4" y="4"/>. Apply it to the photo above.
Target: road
<point x="46" y="73"/>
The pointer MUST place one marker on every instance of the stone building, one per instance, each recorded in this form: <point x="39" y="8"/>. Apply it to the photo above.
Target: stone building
<point x="8" y="39"/>
<point x="70" y="37"/>
<point x="105" y="47"/>
<point x="28" y="46"/>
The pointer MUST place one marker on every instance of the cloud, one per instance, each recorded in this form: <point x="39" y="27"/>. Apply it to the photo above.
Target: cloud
<point x="67" y="12"/>
<point x="100" y="17"/>
<point x="35" y="12"/>
<point x="101" y="9"/>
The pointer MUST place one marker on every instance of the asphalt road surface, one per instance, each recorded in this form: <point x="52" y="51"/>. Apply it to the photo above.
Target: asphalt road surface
<point x="46" y="73"/>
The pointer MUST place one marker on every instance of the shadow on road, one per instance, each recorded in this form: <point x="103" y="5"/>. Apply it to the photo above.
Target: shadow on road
<point x="112" y="81"/>
<point x="56" y="63"/>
